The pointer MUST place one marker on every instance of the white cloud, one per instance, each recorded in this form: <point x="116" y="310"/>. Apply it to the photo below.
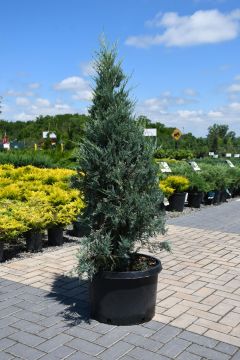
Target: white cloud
<point x="37" y="109"/>
<point x="34" y="85"/>
<point x="202" y="27"/>
<point x="22" y="101"/>
<point x="189" y="114"/>
<point x="62" y="107"/>
<point x="5" y="109"/>
<point x="215" y="114"/>
<point x="79" y="86"/>
<point x="235" y="106"/>
<point x="83" y="95"/>
<point x="42" y="102"/>
<point x="234" y="88"/>
<point x="194" y="120"/>
<point x="13" y="93"/>
<point x="71" y="83"/>
<point x="23" y="117"/>
<point x="165" y="101"/>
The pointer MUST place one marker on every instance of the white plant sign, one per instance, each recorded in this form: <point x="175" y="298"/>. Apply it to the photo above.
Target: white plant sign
<point x="150" y="132"/>
<point x="211" y="153"/>
<point x="236" y="155"/>
<point x="164" y="167"/>
<point x="228" y="155"/>
<point x="194" y="166"/>
<point x="230" y="163"/>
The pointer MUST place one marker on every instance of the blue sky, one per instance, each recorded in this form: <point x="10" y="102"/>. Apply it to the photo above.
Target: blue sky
<point x="183" y="57"/>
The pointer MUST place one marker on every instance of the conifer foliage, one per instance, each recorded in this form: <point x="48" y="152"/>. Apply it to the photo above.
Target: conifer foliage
<point x="123" y="199"/>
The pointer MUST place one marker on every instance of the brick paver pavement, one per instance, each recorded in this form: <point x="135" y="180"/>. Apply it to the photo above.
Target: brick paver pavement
<point x="44" y="312"/>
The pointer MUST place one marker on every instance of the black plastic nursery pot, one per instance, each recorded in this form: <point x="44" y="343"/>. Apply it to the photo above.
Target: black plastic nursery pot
<point x="208" y="197"/>
<point x="55" y="236"/>
<point x="235" y="191"/>
<point x="225" y="195"/>
<point x="124" y="298"/>
<point x="195" y="199"/>
<point x="176" y="202"/>
<point x="33" y="241"/>
<point x="217" y="197"/>
<point x="80" y="229"/>
<point x="1" y="250"/>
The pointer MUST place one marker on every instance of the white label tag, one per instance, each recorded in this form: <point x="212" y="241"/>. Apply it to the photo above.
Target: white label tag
<point x="164" y="167"/>
<point x="150" y="132"/>
<point x="230" y="163"/>
<point x="194" y="166"/>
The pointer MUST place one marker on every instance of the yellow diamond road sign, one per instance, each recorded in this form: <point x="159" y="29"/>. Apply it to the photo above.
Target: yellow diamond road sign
<point x="176" y="134"/>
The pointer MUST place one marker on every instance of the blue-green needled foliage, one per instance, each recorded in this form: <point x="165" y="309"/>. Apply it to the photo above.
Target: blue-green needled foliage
<point x="120" y="182"/>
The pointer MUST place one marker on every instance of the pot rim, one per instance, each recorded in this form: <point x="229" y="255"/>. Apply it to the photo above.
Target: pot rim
<point x="131" y="274"/>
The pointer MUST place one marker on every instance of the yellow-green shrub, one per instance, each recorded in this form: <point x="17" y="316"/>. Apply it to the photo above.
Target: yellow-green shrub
<point x="34" y="198"/>
<point x="167" y="190"/>
<point x="63" y="215"/>
<point x="10" y="227"/>
<point x="34" y="214"/>
<point x="177" y="183"/>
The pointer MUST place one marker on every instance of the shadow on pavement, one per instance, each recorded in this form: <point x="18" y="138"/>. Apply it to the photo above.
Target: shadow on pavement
<point x="72" y="293"/>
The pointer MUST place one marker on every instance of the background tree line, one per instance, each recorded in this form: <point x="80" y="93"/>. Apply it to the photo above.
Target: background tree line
<point x="69" y="129"/>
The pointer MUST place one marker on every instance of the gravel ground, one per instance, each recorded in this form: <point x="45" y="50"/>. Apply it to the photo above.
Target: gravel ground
<point x="18" y="250"/>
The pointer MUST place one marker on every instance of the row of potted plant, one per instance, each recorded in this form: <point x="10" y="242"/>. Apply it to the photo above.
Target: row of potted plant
<point x="211" y="185"/>
<point x="33" y="200"/>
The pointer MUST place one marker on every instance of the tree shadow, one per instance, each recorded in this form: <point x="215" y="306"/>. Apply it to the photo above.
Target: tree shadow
<point x="73" y="294"/>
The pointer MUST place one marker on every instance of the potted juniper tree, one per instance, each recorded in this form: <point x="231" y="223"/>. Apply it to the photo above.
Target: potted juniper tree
<point x="123" y="202"/>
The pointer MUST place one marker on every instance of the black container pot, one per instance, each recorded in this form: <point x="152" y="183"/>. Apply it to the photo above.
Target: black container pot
<point x="80" y="229"/>
<point x="55" y="236"/>
<point x="208" y="197"/>
<point x="1" y="250"/>
<point x="124" y="298"/>
<point x="176" y="202"/>
<point x="33" y="241"/>
<point x="217" y="197"/>
<point x="195" y="199"/>
<point x="224" y="196"/>
<point x="235" y="192"/>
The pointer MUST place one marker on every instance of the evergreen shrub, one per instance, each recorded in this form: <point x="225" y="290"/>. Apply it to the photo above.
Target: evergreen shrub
<point x="120" y="185"/>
